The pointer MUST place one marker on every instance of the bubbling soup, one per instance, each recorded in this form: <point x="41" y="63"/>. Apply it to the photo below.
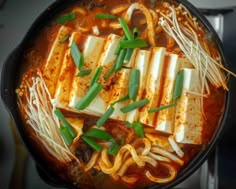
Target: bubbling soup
<point x="121" y="94"/>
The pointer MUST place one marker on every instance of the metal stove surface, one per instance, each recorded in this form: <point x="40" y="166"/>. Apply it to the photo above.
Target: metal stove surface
<point x="15" y="18"/>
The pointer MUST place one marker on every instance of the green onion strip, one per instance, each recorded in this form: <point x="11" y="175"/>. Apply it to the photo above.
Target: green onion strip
<point x="120" y="100"/>
<point x="135" y="33"/>
<point x="79" y="60"/>
<point x="113" y="149"/>
<point x="105" y="16"/>
<point x="68" y="139"/>
<point x="89" y="96"/>
<point x="96" y="76"/>
<point x="112" y="69"/>
<point x="128" y="55"/>
<point x="125" y="28"/>
<point x="65" y="38"/>
<point x="105" y="116"/>
<point x="134" y="83"/>
<point x="120" y="60"/>
<point x="178" y="85"/>
<point x="118" y="48"/>
<point x="134" y="106"/>
<point x="98" y="134"/>
<point x="83" y="73"/>
<point x="77" y="56"/>
<point x="133" y="43"/>
<point x="138" y="128"/>
<point x="160" y="108"/>
<point x="66" y="18"/>
<point x="92" y="143"/>
<point x="64" y="122"/>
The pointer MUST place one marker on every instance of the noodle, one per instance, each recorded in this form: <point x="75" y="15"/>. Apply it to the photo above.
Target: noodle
<point x="172" y="172"/>
<point x="150" y="24"/>
<point x="92" y="161"/>
<point x="167" y="154"/>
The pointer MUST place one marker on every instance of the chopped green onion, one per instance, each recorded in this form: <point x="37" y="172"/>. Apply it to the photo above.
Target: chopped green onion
<point x="134" y="105"/>
<point x="68" y="139"/>
<point x="105" y="116"/>
<point x="160" y="108"/>
<point x="105" y="16"/>
<point x="66" y="18"/>
<point x="120" y="60"/>
<point x="110" y="71"/>
<point x="128" y="55"/>
<point x="83" y="73"/>
<point x="178" y="85"/>
<point x="134" y="83"/>
<point x="89" y="96"/>
<point x="77" y="56"/>
<point x="129" y="124"/>
<point x="96" y="76"/>
<point x="66" y="37"/>
<point x="125" y="28"/>
<point x="118" y="48"/>
<point x="135" y="33"/>
<point x="98" y="134"/>
<point x="138" y="128"/>
<point x="92" y="143"/>
<point x="65" y="122"/>
<point x="134" y="43"/>
<point x="113" y="149"/>
<point x="120" y="100"/>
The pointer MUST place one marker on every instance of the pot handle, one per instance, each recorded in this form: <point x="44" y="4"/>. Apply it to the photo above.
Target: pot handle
<point x="8" y="80"/>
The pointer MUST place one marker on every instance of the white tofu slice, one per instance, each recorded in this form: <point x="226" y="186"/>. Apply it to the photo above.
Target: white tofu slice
<point x="131" y="62"/>
<point x="66" y="77"/>
<point x="165" y="118"/>
<point x="119" y="90"/>
<point x="153" y="85"/>
<point x="108" y="57"/>
<point x="188" y="116"/>
<point x="92" y="50"/>
<point x="55" y="58"/>
<point x="141" y="62"/>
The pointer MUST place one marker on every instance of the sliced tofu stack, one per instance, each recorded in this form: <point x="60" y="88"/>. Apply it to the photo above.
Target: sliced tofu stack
<point x="158" y="71"/>
<point x="141" y="62"/>
<point x="66" y="76"/>
<point x="165" y="118"/>
<point x="119" y="90"/>
<point x="153" y="85"/>
<point x="101" y="102"/>
<point x="188" y="117"/>
<point x="91" y="52"/>
<point x="54" y="61"/>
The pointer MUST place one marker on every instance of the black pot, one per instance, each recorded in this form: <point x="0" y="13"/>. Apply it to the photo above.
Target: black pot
<point x="9" y="83"/>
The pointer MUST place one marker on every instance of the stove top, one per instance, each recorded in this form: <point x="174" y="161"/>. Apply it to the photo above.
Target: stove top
<point x="217" y="172"/>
